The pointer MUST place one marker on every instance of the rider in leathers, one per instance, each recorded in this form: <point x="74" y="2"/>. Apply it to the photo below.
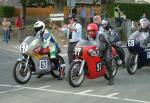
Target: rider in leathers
<point x="104" y="47"/>
<point x="109" y="31"/>
<point x="47" y="41"/>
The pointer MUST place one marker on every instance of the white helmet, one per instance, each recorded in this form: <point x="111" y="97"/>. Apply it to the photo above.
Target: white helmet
<point x="39" y="27"/>
<point x="144" y="23"/>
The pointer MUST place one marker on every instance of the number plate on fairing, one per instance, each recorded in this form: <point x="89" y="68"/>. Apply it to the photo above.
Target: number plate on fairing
<point x="44" y="64"/>
<point x="131" y="43"/>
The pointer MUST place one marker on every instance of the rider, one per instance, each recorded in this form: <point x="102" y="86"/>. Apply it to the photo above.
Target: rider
<point x="103" y="47"/>
<point x="144" y="26"/>
<point x="107" y="28"/>
<point x="47" y="41"/>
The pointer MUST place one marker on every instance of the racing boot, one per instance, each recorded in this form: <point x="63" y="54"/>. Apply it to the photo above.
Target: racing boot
<point x="62" y="73"/>
<point x="110" y="82"/>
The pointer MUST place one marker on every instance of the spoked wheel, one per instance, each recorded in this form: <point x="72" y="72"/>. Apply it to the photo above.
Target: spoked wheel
<point x="114" y="69"/>
<point x="132" y="63"/>
<point x="56" y="73"/>
<point x="75" y="80"/>
<point x="21" y="75"/>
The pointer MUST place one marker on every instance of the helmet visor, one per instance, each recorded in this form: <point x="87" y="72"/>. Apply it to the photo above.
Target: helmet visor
<point x="37" y="29"/>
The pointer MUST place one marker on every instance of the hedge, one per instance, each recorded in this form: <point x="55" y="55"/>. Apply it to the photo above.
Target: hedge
<point x="132" y="11"/>
<point x="7" y="11"/>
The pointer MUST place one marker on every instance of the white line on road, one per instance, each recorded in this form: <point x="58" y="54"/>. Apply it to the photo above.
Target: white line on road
<point x="44" y="87"/>
<point x="112" y="94"/>
<point x="139" y="101"/>
<point x="90" y="95"/>
<point x="84" y="92"/>
<point x="3" y="92"/>
<point x="4" y="85"/>
<point x="13" y="90"/>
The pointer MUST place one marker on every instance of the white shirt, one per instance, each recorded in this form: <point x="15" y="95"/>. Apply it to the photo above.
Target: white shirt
<point x="76" y="35"/>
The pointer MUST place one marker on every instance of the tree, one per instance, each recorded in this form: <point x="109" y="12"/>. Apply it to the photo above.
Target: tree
<point x="95" y="1"/>
<point x="23" y="10"/>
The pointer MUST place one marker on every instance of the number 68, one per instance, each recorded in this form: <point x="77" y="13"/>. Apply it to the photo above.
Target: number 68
<point x="130" y="43"/>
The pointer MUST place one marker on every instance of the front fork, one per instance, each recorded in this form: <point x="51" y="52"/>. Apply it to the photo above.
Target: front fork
<point x="82" y="65"/>
<point x="27" y="61"/>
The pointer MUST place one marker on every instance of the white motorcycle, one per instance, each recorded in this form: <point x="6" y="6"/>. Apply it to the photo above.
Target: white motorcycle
<point x="34" y="63"/>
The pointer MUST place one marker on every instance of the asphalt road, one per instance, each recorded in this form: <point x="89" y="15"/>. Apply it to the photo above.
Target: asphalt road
<point x="126" y="89"/>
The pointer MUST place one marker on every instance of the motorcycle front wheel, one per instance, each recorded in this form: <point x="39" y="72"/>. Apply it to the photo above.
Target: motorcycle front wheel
<point x="57" y="72"/>
<point x="132" y="63"/>
<point x="75" y="80"/>
<point x="20" y="75"/>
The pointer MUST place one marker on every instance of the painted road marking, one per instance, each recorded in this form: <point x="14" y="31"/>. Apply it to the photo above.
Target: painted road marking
<point x="3" y="92"/>
<point x="84" y="92"/>
<point x="90" y="95"/>
<point x="43" y="87"/>
<point x="112" y="94"/>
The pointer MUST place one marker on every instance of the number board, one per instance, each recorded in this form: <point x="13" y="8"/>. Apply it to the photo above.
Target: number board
<point x="148" y="55"/>
<point x="130" y="43"/>
<point x="43" y="64"/>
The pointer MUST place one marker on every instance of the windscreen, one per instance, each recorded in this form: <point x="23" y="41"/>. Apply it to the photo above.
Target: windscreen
<point x="86" y="43"/>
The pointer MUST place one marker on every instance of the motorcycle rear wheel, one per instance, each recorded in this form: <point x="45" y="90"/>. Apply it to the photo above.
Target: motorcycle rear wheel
<point x="132" y="64"/>
<point x="114" y="69"/>
<point x="19" y="75"/>
<point x="56" y="73"/>
<point x="75" y="80"/>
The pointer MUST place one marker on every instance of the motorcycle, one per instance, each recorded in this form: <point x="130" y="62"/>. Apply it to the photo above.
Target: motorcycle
<point x="139" y="52"/>
<point x="89" y="64"/>
<point x="32" y="62"/>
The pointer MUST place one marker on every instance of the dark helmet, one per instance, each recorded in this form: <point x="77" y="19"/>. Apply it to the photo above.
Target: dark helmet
<point x="92" y="30"/>
<point x="106" y="24"/>
<point x="72" y="16"/>
<point x="144" y="24"/>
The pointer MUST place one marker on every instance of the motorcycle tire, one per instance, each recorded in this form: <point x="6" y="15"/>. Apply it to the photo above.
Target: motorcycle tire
<point x="25" y="75"/>
<point x="75" y="80"/>
<point x="132" y="63"/>
<point x="114" y="69"/>
<point x="57" y="73"/>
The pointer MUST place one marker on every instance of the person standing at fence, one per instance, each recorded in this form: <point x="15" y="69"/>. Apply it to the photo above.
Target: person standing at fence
<point x="92" y="13"/>
<point x="20" y="27"/>
<point x="74" y="34"/>
<point x="5" y="29"/>
<point x="10" y="29"/>
<point x="83" y="15"/>
<point x="117" y="15"/>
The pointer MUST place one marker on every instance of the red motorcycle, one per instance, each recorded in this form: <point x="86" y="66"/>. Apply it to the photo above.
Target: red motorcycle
<point x="89" y="63"/>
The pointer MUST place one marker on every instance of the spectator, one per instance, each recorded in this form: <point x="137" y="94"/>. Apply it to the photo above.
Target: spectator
<point x="5" y="29"/>
<point x="73" y="32"/>
<point x="10" y="30"/>
<point x="117" y="15"/>
<point x="92" y="13"/>
<point x="122" y="17"/>
<point x="20" y="26"/>
<point x="74" y="10"/>
<point x="97" y="20"/>
<point x="143" y="16"/>
<point x="83" y="15"/>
